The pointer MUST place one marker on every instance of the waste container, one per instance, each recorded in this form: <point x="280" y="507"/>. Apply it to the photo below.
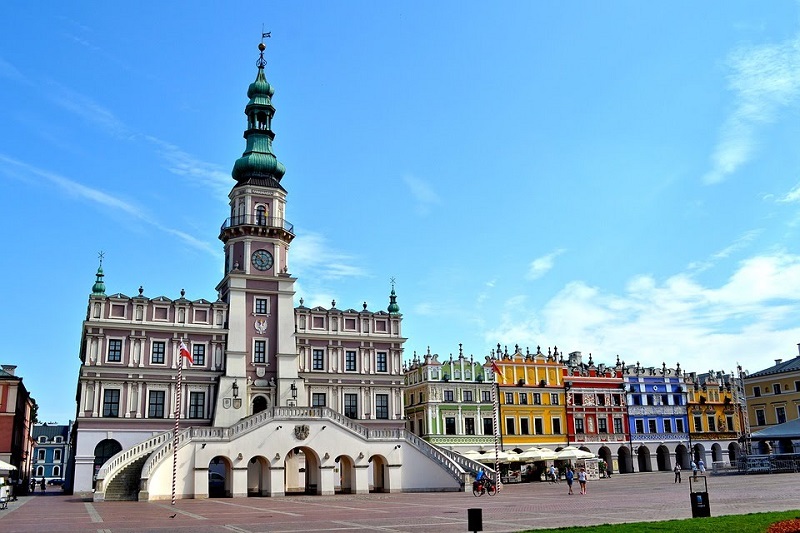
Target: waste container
<point x="698" y="493"/>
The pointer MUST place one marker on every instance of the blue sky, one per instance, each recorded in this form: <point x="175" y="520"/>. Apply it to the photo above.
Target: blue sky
<point x="619" y="178"/>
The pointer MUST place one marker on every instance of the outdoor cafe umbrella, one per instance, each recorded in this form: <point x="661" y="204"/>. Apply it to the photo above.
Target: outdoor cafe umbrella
<point x="6" y="466"/>
<point x="571" y="453"/>
<point x="535" y="453"/>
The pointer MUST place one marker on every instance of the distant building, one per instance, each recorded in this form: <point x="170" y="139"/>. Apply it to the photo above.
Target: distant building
<point x="16" y="414"/>
<point x="50" y="451"/>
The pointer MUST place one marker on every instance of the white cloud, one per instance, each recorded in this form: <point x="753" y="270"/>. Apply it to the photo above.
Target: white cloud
<point x="541" y="265"/>
<point x="791" y="196"/>
<point x="738" y="245"/>
<point x="184" y="164"/>
<point x="89" y="110"/>
<point x="311" y="256"/>
<point x="423" y="193"/>
<point x="763" y="79"/>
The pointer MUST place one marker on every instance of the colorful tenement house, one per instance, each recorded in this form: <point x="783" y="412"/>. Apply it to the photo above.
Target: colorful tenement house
<point x="450" y="403"/>
<point x="267" y="379"/>
<point x="16" y="419"/>
<point x="531" y="393"/>
<point x="50" y="452"/>
<point x="657" y="417"/>
<point x="596" y="410"/>
<point x="714" y="423"/>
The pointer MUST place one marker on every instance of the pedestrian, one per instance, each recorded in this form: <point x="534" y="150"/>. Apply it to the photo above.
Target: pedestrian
<point x="608" y="470"/>
<point x="702" y="466"/>
<point x="553" y="473"/>
<point x="42" y="485"/>
<point x="33" y="485"/>
<point x="582" y="480"/>
<point x="570" y="478"/>
<point x="677" y="471"/>
<point x="694" y="470"/>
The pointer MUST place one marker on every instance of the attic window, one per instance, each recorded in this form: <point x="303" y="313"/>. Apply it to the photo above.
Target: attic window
<point x="118" y="310"/>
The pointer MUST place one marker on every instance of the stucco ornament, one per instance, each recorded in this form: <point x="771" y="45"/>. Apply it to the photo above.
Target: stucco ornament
<point x="301" y="432"/>
<point x="261" y="326"/>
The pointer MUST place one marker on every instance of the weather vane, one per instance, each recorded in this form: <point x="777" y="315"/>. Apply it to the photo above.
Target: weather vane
<point x="101" y="255"/>
<point x="392" y="280"/>
<point x="261" y="47"/>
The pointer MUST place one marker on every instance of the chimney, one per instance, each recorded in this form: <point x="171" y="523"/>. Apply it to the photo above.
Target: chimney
<point x="9" y="368"/>
<point x="778" y="361"/>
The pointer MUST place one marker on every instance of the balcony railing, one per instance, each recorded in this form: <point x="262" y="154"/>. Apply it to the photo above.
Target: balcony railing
<point x="257" y="220"/>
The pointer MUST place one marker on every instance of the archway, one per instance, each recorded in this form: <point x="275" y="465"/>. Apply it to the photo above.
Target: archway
<point x="605" y="454"/>
<point x="698" y="452"/>
<point x="378" y="467"/>
<point x="104" y="451"/>
<point x="301" y="472"/>
<point x="345" y="480"/>
<point x="733" y="452"/>
<point x="662" y="459"/>
<point x="682" y="456"/>
<point x="219" y="477"/>
<point x="625" y="460"/>
<point x="257" y="476"/>
<point x="643" y="459"/>
<point x="716" y="453"/>
<point x="259" y="404"/>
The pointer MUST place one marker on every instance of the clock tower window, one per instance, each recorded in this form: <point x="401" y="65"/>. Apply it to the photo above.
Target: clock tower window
<point x="260" y="351"/>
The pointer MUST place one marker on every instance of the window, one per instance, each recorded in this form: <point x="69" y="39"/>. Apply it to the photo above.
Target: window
<point x="317" y="399"/>
<point x="538" y="426"/>
<point x="40" y="454"/>
<point x="756" y="391"/>
<point x="197" y="402"/>
<point x="579" y="425"/>
<point x="260" y="351"/>
<point x="411" y="399"/>
<point x="382" y="406"/>
<point x="537" y="398"/>
<point x="776" y="388"/>
<point x="664" y="399"/>
<point x="523" y="398"/>
<point x="448" y="396"/>
<point x="652" y="427"/>
<point x="729" y="422"/>
<point x="449" y="425"/>
<point x="617" y="399"/>
<point x="115" y="350"/>
<point x="350" y="361"/>
<point x="780" y="414"/>
<point x="523" y="427"/>
<point x="42" y="439"/>
<point x="467" y="395"/>
<point x="602" y="425"/>
<point x="637" y="399"/>
<point x="487" y="426"/>
<point x="199" y="354"/>
<point x="56" y="455"/>
<point x="556" y="426"/>
<point x="679" y="426"/>
<point x="381" y="361"/>
<point x="56" y="471"/>
<point x="601" y="399"/>
<point x="318" y="360"/>
<point x="578" y="399"/>
<point x="58" y="439"/>
<point x="39" y="471"/>
<point x="111" y="403"/>
<point x="486" y="396"/>
<point x="469" y="426"/>
<point x="159" y="349"/>
<point x="554" y="398"/>
<point x="712" y="423"/>
<point x="698" y="423"/>
<point x="262" y="306"/>
<point x="509" y="398"/>
<point x="797" y="386"/>
<point x="351" y="405"/>
<point x="510" y="427"/>
<point x="667" y="425"/>
<point x="760" y="419"/>
<point x="618" y="425"/>
<point x="156" y="404"/>
<point x="639" y="424"/>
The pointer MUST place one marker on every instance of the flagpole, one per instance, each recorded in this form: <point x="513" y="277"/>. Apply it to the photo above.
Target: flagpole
<point x="495" y="421"/>
<point x="177" y="420"/>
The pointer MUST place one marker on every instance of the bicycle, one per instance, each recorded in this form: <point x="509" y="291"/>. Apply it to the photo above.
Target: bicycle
<point x="479" y="488"/>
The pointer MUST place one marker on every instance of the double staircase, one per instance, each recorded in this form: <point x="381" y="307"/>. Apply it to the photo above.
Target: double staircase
<point x="125" y="485"/>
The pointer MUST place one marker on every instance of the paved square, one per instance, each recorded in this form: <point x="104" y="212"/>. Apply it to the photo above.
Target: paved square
<point x="623" y="498"/>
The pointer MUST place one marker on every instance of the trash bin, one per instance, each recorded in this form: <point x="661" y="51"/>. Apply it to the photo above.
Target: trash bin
<point x="698" y="493"/>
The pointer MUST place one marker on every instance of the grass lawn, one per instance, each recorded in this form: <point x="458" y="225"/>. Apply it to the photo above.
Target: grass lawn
<point x="746" y="523"/>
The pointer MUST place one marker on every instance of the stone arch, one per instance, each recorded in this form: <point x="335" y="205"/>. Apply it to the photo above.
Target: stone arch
<point x="258" y="476"/>
<point x="220" y="477"/>
<point x="345" y="481"/>
<point x="716" y="453"/>
<point x="625" y="460"/>
<point x="663" y="460"/>
<point x="605" y="454"/>
<point x="379" y="470"/>
<point x="682" y="456"/>
<point x="260" y="403"/>
<point x="733" y="452"/>
<point x="302" y="471"/>
<point x="643" y="459"/>
<point x="105" y="450"/>
<point x="698" y="452"/>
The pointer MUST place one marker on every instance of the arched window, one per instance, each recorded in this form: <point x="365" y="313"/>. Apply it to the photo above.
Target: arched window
<point x="39" y="471"/>
<point x="259" y="404"/>
<point x="104" y="451"/>
<point x="56" y="471"/>
<point x="261" y="215"/>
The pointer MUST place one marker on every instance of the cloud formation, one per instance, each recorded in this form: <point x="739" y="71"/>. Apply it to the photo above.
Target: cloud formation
<point x="541" y="265"/>
<point x="315" y="259"/>
<point x="423" y="194"/>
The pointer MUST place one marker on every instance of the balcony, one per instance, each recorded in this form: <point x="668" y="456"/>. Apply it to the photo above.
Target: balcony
<point x="256" y="225"/>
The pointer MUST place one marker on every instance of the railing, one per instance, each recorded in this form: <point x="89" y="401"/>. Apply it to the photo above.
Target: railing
<point x="257" y="220"/>
<point x="165" y="450"/>
<point x="119" y="461"/>
<point x="438" y="455"/>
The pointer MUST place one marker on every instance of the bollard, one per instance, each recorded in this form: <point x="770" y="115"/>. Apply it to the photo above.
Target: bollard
<point x="475" y="519"/>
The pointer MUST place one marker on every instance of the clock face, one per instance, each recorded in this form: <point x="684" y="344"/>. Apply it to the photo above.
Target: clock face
<point x="262" y="259"/>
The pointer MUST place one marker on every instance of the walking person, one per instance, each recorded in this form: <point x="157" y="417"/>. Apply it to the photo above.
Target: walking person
<point x="582" y="480"/>
<point x="33" y="485"/>
<point x="570" y="478"/>
<point x="677" y="471"/>
<point x="42" y="485"/>
<point x="694" y="470"/>
<point x="553" y="477"/>
<point x="702" y="466"/>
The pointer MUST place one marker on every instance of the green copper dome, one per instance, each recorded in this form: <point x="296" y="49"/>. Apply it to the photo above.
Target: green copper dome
<point x="99" y="288"/>
<point x="393" y="308"/>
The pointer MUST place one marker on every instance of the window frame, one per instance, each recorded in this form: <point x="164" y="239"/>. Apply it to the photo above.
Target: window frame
<point x="153" y="405"/>
<point x="381" y="406"/>
<point x="158" y="352"/>
<point x="116" y="351"/>
<point x="197" y="405"/>
<point x="109" y="403"/>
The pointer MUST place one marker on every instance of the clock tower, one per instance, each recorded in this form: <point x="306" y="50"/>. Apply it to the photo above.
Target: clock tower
<point x="261" y="357"/>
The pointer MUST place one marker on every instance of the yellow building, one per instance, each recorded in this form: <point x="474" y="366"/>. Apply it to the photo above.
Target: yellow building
<point x="715" y="424"/>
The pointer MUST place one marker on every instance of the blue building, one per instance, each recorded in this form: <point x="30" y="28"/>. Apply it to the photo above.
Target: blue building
<point x="50" y="451"/>
<point x="659" y="428"/>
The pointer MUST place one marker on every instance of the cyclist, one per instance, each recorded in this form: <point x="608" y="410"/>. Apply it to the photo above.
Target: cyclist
<point x="480" y="477"/>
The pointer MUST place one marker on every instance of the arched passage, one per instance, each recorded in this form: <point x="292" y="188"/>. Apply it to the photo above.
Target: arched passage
<point x="345" y="480"/>
<point x="625" y="460"/>
<point x="643" y="459"/>
<point x="663" y="459"/>
<point x="220" y="477"/>
<point x="104" y="451"/>
<point x="258" y="476"/>
<point x="605" y="455"/>
<point x="682" y="456"/>
<point x="379" y="470"/>
<point x="259" y="404"/>
<point x="301" y="472"/>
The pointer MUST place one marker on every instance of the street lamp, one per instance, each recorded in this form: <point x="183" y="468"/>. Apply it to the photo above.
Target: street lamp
<point x="293" y="388"/>
<point x="235" y="389"/>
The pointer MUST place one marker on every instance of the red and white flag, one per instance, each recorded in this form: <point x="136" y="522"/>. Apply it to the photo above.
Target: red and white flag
<point x="186" y="353"/>
<point x="496" y="368"/>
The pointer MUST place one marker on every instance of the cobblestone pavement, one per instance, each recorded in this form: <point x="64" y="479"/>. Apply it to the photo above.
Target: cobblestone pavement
<point x="623" y="498"/>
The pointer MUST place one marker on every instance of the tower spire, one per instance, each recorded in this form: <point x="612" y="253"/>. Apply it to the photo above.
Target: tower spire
<point x="99" y="288"/>
<point x="393" y="308"/>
